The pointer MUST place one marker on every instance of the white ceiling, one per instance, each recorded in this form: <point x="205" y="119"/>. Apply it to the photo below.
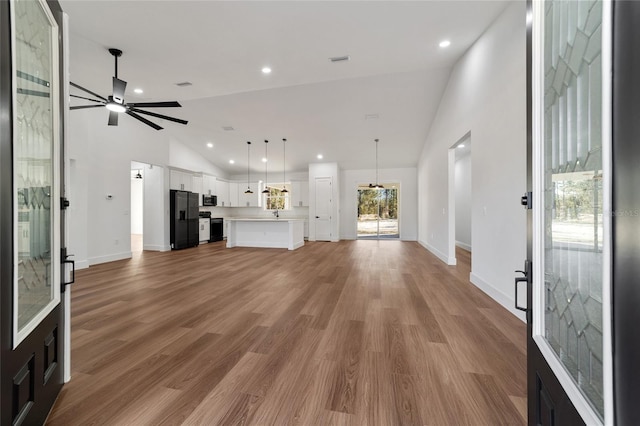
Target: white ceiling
<point x="396" y="71"/>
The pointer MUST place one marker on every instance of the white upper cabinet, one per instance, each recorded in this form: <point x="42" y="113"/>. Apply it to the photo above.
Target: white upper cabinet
<point x="300" y="194"/>
<point x="249" y="200"/>
<point x="233" y="194"/>
<point x="182" y="181"/>
<point x="209" y="185"/>
<point x="222" y="191"/>
<point x="196" y="185"/>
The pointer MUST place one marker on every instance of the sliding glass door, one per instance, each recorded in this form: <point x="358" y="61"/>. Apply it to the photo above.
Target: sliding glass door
<point x="378" y="212"/>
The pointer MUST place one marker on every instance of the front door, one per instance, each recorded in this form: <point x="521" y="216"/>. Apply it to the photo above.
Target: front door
<point x="31" y="322"/>
<point x="569" y="346"/>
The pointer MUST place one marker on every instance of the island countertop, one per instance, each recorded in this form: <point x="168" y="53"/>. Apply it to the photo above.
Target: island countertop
<point x="271" y="232"/>
<point x="264" y="219"/>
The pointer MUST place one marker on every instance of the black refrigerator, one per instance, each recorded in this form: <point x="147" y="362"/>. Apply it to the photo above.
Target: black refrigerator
<point x="184" y="219"/>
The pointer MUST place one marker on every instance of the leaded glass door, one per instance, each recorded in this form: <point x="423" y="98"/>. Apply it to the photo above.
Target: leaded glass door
<point x="31" y="119"/>
<point x="570" y="328"/>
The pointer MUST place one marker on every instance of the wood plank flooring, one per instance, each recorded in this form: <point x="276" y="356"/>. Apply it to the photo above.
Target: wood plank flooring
<point x="348" y="333"/>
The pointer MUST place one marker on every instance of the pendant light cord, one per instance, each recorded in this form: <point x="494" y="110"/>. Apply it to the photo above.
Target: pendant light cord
<point x="284" y="165"/>
<point x="248" y="191"/>
<point x="377" y="163"/>
<point x="266" y="165"/>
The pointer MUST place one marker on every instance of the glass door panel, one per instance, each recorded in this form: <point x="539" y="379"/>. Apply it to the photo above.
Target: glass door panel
<point x="378" y="212"/>
<point x="36" y="283"/>
<point x="572" y="216"/>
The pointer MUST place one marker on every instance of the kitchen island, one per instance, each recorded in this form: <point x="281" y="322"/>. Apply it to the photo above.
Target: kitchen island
<point x="265" y="232"/>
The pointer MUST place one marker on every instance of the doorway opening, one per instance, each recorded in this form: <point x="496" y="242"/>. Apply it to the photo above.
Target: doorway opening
<point x="460" y="196"/>
<point x="137" y="206"/>
<point x="378" y="212"/>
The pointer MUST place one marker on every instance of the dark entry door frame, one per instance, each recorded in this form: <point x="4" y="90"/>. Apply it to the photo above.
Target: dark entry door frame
<point x="626" y="211"/>
<point x="31" y="371"/>
<point x="553" y="393"/>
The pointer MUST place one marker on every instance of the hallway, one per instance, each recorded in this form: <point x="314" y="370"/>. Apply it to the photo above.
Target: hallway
<point x="355" y="332"/>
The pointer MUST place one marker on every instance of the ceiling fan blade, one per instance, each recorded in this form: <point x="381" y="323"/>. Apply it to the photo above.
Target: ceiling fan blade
<point x="144" y="120"/>
<point x="172" y="104"/>
<point x="86" y="90"/>
<point x="165" y="117"/>
<point x="85" y="106"/>
<point x="119" y="87"/>
<point x="113" y="118"/>
<point x="87" y="99"/>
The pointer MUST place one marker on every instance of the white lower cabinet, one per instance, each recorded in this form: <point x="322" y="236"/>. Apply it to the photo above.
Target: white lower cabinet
<point x="204" y="229"/>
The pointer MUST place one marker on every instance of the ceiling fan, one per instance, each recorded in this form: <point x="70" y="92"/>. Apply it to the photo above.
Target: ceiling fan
<point x="116" y="105"/>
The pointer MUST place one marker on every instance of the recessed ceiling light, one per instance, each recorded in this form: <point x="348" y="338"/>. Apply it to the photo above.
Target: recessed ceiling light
<point x="138" y="91"/>
<point x="320" y="157"/>
<point x="231" y="162"/>
<point x="266" y="70"/>
<point x="264" y="160"/>
<point x="210" y="145"/>
<point x="445" y="43"/>
<point x="461" y="145"/>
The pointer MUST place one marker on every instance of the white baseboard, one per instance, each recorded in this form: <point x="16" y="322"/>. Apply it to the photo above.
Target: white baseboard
<point x="464" y="246"/>
<point x="109" y="258"/>
<point x="154" y="247"/>
<point x="451" y="261"/>
<point x="82" y="264"/>
<point x="505" y="300"/>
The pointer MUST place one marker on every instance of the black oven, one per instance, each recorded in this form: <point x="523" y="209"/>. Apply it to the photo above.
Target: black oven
<point x="209" y="200"/>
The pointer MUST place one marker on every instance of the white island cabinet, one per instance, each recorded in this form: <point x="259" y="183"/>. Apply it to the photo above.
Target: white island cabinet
<point x="265" y="232"/>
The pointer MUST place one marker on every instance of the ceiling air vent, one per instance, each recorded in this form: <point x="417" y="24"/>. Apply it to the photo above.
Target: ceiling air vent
<point x="184" y="84"/>
<point x="340" y="58"/>
<point x="228" y="128"/>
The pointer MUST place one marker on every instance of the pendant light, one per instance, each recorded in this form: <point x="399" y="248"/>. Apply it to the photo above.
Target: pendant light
<point x="138" y="176"/>
<point x="284" y="152"/>
<point x="377" y="185"/>
<point x="266" y="160"/>
<point x="248" y="191"/>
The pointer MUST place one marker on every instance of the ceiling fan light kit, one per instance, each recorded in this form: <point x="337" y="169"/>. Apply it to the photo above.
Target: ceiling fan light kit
<point x="116" y="105"/>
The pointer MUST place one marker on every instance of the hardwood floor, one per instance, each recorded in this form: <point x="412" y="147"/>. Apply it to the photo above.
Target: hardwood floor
<point x="353" y="333"/>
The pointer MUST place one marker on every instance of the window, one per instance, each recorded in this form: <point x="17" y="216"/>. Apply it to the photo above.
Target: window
<point x="276" y="199"/>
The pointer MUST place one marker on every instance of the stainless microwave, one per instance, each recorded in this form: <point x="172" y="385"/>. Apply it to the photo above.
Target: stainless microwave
<point x="209" y="200"/>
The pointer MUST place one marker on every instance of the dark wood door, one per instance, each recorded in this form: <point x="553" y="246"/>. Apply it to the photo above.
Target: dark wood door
<point x="569" y="177"/>
<point x="626" y="208"/>
<point x="31" y="307"/>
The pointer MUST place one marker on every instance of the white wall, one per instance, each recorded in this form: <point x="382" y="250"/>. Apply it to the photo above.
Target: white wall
<point x="463" y="201"/>
<point x="156" y="208"/>
<point x="183" y="157"/>
<point x="137" y="205"/>
<point x="100" y="160"/>
<point x="485" y="95"/>
<point x="407" y="199"/>
<point x="317" y="170"/>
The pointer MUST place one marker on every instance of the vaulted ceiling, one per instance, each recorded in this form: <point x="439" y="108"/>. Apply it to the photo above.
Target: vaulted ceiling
<point x="389" y="89"/>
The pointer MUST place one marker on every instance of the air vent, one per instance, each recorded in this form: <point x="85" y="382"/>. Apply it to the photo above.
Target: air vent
<point x="184" y="84"/>
<point x="371" y="116"/>
<point x="228" y="128"/>
<point x="340" y="58"/>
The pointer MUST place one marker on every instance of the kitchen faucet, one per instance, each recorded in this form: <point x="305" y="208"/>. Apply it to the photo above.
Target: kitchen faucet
<point x="275" y="213"/>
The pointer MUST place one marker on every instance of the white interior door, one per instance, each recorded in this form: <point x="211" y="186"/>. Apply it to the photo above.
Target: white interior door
<point x="323" y="208"/>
